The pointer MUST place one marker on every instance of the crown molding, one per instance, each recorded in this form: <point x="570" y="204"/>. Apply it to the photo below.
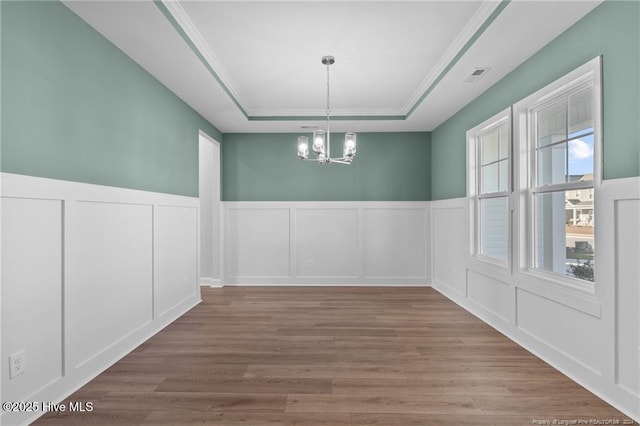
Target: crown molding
<point x="479" y="22"/>
<point x="488" y="20"/>
<point x="475" y="23"/>
<point x="183" y="24"/>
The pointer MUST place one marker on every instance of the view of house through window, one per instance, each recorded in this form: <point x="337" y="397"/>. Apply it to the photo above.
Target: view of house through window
<point x="556" y="141"/>
<point x="563" y="184"/>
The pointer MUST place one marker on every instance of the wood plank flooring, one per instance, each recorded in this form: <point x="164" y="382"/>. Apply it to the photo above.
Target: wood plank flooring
<point x="331" y="356"/>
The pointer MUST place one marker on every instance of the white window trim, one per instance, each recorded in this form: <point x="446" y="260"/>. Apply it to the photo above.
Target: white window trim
<point x="524" y="163"/>
<point x="473" y="189"/>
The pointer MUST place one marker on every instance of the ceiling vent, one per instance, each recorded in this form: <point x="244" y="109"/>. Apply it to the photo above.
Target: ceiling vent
<point x="476" y="75"/>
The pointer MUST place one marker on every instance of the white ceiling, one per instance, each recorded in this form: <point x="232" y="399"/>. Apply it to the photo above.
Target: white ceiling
<point x="255" y="66"/>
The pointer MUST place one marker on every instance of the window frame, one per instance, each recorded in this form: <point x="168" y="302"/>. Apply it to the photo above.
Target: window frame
<point x="474" y="182"/>
<point x="587" y="75"/>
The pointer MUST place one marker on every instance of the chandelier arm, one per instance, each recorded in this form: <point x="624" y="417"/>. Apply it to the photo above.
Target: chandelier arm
<point x="322" y="139"/>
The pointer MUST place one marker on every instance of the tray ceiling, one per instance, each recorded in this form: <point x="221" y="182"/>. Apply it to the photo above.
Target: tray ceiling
<point x="254" y="66"/>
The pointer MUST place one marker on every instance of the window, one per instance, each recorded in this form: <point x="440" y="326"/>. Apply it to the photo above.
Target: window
<point x="489" y="186"/>
<point x="548" y="176"/>
<point x="558" y="137"/>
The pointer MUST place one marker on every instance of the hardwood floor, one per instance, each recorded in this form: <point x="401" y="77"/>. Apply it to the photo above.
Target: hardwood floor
<point x="331" y="356"/>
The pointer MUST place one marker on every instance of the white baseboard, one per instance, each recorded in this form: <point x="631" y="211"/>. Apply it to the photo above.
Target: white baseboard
<point x="339" y="283"/>
<point x="210" y="282"/>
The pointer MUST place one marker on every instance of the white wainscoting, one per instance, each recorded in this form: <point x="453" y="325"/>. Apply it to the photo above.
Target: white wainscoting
<point x="31" y="292"/>
<point x="175" y="256"/>
<point x="627" y="249"/>
<point x="340" y="229"/>
<point x="493" y="295"/>
<point x="593" y="338"/>
<point x="326" y="243"/>
<point x="109" y="290"/>
<point x="449" y="227"/>
<point x="394" y="243"/>
<point x="88" y="273"/>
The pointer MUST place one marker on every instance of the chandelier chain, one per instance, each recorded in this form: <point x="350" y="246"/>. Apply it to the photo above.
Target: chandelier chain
<point x="328" y="93"/>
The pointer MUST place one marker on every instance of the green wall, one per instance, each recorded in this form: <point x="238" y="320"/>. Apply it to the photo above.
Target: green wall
<point x="387" y="167"/>
<point x="611" y="30"/>
<point x="75" y="107"/>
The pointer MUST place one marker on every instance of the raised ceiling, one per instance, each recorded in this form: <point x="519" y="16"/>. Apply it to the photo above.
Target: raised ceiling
<point x="254" y="66"/>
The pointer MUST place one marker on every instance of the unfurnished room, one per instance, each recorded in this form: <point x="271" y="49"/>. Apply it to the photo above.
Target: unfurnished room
<point x="320" y="212"/>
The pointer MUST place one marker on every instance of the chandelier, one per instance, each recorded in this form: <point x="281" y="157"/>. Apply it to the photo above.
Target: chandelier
<point x="322" y="138"/>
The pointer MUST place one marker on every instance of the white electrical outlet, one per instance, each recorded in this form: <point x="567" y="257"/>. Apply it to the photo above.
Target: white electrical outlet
<point x="17" y="364"/>
<point x="310" y="263"/>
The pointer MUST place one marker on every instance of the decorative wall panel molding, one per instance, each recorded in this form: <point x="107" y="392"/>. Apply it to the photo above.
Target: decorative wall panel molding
<point x="594" y="338"/>
<point x="491" y="294"/>
<point x="449" y="246"/>
<point x="32" y="245"/>
<point x="88" y="273"/>
<point x="326" y="243"/>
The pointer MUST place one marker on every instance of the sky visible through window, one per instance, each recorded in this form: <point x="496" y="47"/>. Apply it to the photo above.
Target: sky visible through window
<point x="581" y="152"/>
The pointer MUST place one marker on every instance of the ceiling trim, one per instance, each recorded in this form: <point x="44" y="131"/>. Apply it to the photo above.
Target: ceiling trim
<point x="179" y="20"/>
<point x="486" y="24"/>
<point x="324" y="117"/>
<point x="182" y="24"/>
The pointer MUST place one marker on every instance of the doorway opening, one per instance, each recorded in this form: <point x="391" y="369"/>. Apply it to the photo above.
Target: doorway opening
<point x="210" y="215"/>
